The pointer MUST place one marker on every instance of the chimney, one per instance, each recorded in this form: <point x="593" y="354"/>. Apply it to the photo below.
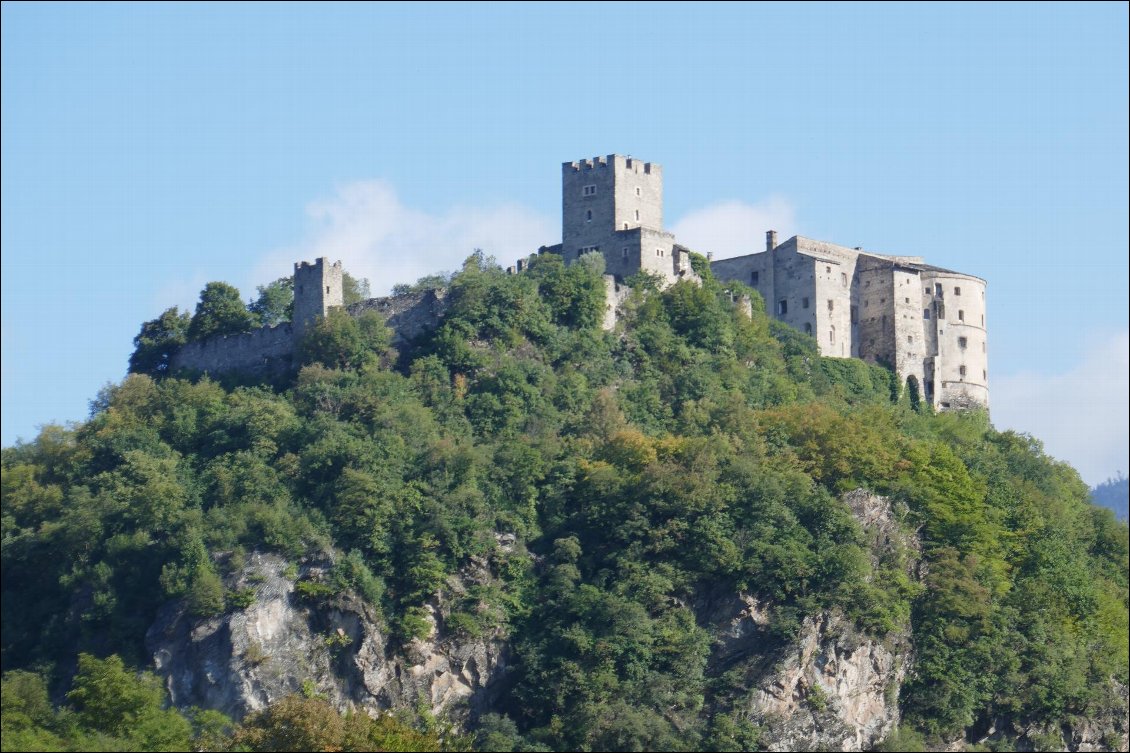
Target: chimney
<point x="770" y="240"/>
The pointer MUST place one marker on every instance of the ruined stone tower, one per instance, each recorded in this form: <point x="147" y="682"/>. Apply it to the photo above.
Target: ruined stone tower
<point x="317" y="287"/>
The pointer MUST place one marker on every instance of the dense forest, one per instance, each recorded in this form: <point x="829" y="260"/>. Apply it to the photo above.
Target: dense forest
<point x="694" y="449"/>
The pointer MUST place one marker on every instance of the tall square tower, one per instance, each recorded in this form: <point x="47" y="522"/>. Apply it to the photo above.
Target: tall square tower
<point x="603" y="197"/>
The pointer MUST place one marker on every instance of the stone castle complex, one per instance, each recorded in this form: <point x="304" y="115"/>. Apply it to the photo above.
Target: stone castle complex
<point x="926" y="322"/>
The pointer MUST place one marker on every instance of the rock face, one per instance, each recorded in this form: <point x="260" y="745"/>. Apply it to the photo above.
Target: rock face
<point x="282" y="644"/>
<point x="833" y="687"/>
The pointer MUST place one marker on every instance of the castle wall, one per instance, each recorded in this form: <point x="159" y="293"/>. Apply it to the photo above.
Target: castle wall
<point x="263" y="352"/>
<point x="408" y="316"/>
<point x="832" y="272"/>
<point x="881" y="308"/>
<point x="961" y="367"/>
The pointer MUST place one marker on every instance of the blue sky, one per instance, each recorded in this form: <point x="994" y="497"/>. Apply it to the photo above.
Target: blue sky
<point x="148" y="149"/>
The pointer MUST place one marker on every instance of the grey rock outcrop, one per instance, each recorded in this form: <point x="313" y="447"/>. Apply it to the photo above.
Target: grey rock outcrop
<point x="282" y="644"/>
<point x="833" y="687"/>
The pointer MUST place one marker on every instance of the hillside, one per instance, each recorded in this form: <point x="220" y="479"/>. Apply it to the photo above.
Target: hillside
<point x="1113" y="494"/>
<point x="693" y="533"/>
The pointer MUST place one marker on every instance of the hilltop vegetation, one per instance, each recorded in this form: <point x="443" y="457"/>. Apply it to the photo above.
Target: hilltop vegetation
<point x="694" y="449"/>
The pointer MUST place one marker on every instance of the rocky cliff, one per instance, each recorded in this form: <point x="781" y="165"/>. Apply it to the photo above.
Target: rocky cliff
<point x="282" y="644"/>
<point x="834" y="687"/>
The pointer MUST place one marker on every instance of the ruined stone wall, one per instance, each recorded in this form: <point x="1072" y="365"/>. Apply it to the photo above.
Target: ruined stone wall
<point x="409" y="316"/>
<point x="269" y="351"/>
<point x="263" y="352"/>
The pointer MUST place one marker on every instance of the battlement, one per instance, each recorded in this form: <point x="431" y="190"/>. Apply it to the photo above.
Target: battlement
<point x="307" y="266"/>
<point x="616" y="160"/>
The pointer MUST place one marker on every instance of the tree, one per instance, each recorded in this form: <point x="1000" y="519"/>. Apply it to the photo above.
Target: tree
<point x="275" y="303"/>
<point x="220" y="311"/>
<point x="113" y="700"/>
<point x="353" y="289"/>
<point x="158" y="341"/>
<point x="341" y="341"/>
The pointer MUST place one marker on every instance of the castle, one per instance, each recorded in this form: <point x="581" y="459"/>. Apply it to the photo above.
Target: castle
<point x="925" y="322"/>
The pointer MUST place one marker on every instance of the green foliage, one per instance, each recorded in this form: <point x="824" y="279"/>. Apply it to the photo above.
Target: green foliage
<point x="275" y="303"/>
<point x="353" y="289"/>
<point x="157" y="342"/>
<point x="307" y="724"/>
<point x="220" y="311"/>
<point x="519" y="473"/>
<point x="341" y="341"/>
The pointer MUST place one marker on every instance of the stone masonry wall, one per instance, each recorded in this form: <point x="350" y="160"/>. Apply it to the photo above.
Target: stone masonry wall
<point x="409" y="316"/>
<point x="263" y="352"/>
<point x="269" y="351"/>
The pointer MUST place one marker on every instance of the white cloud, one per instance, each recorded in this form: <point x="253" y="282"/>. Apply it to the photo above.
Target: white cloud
<point x="375" y="235"/>
<point x="735" y="228"/>
<point x="1080" y="415"/>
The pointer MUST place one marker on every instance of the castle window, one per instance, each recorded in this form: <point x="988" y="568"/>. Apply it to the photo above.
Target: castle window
<point x="624" y="252"/>
<point x="855" y="314"/>
<point x="327" y="289"/>
<point x="984" y="375"/>
<point x="961" y="371"/>
<point x="782" y="306"/>
<point x="910" y="339"/>
<point x="982" y="320"/>
<point x="941" y="310"/>
<point x="637" y="215"/>
<point x="828" y="270"/>
<point x="957" y="291"/>
<point x="962" y="342"/>
<point x="982" y="346"/>
<point x="925" y="313"/>
<point x="588" y="191"/>
<point x="588" y="215"/>
<point x="804" y="303"/>
<point x="830" y="304"/>
<point x="637" y="194"/>
<point x="625" y="226"/>
<point x="843" y="279"/>
<point x="659" y="252"/>
<point x="908" y="300"/>
<point x="926" y="291"/>
<point x="832" y="335"/>
<point x="960" y="315"/>
<point x="808" y="328"/>
<point x="753" y="278"/>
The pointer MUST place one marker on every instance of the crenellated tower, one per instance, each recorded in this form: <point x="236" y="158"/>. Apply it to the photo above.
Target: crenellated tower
<point x="317" y="288"/>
